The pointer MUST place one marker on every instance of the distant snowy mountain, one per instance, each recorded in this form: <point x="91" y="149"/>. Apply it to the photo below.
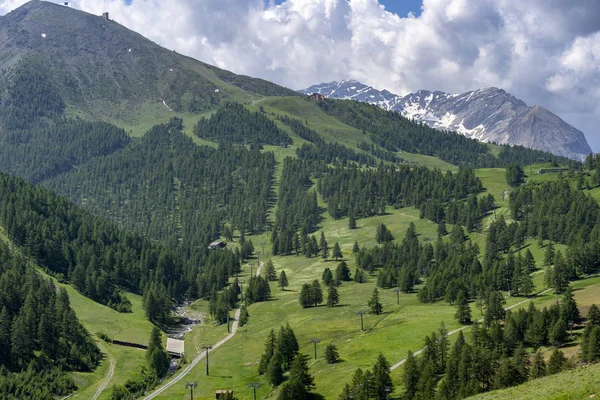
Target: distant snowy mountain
<point x="489" y="115"/>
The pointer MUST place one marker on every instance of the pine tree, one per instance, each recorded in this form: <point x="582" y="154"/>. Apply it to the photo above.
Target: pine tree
<point x="359" y="276"/>
<point x="331" y="354"/>
<point x="265" y="359"/>
<point x="593" y="345"/>
<point x="383" y="234"/>
<point x="5" y="329"/>
<point x="287" y="345"/>
<point x="374" y="304"/>
<point x="283" y="281"/>
<point x="342" y="273"/>
<point x="381" y="378"/>
<point x="463" y="310"/>
<point x="337" y="251"/>
<point x="558" y="333"/>
<point x="324" y="247"/>
<point x="270" y="273"/>
<point x="495" y="308"/>
<point x="156" y="355"/>
<point x="593" y="316"/>
<point x="538" y="368"/>
<point x="333" y="298"/>
<point x="327" y="277"/>
<point x="410" y="376"/>
<point x="306" y="296"/>
<point x="22" y="345"/>
<point x="274" y="371"/>
<point x="568" y="309"/>
<point x="556" y="363"/>
<point x="549" y="254"/>
<point x="351" y="220"/>
<point x="299" y="373"/>
<point x="316" y="293"/>
<point x="355" y="248"/>
<point x="243" y="319"/>
<point x="442" y="230"/>
<point x="346" y="393"/>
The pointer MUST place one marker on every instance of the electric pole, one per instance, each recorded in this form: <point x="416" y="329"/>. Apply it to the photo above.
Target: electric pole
<point x="315" y="341"/>
<point x="254" y="385"/>
<point x="207" y="348"/>
<point x="227" y="311"/>
<point x="397" y="290"/>
<point x="192" y="386"/>
<point x="361" y="313"/>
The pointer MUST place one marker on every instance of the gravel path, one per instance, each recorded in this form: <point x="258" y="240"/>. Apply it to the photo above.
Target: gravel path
<point x="416" y="353"/>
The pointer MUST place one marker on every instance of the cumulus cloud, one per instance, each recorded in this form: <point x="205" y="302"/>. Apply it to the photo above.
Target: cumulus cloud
<point x="543" y="51"/>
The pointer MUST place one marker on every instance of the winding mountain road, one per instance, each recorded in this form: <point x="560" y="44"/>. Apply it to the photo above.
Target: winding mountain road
<point x="201" y="356"/>
<point x="416" y="353"/>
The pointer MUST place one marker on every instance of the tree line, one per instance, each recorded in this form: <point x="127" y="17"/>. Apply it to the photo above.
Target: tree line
<point x="364" y="193"/>
<point x="393" y="132"/>
<point x="233" y="123"/>
<point x="496" y="355"/>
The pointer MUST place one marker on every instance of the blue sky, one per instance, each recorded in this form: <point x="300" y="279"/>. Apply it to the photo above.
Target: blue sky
<point x="400" y="7"/>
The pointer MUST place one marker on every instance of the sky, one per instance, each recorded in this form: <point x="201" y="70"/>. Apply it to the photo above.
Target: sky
<point x="544" y="52"/>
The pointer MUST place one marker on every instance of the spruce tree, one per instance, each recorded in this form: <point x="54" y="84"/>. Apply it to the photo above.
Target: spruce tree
<point x="283" y="281"/>
<point x="331" y="354"/>
<point x="287" y="345"/>
<point x="359" y="276"/>
<point x="333" y="298"/>
<point x="274" y="371"/>
<point x="556" y="363"/>
<point x="568" y="309"/>
<point x="593" y="345"/>
<point x="410" y="376"/>
<point x="265" y="359"/>
<point x="538" y="368"/>
<point x="463" y="310"/>
<point x="243" y="319"/>
<point x="342" y="273"/>
<point x="156" y="355"/>
<point x="270" y="273"/>
<point x="593" y="316"/>
<point x="336" y="253"/>
<point x="316" y="293"/>
<point x="374" y="304"/>
<point x="306" y="296"/>
<point x="442" y="230"/>
<point x="549" y="254"/>
<point x="327" y="277"/>
<point x="381" y="378"/>
<point x="324" y="247"/>
<point x="299" y="373"/>
<point x="351" y="220"/>
<point x="558" y="333"/>
<point x="5" y="329"/>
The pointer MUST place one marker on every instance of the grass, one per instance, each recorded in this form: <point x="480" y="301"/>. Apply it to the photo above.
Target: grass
<point x="401" y="327"/>
<point x="581" y="383"/>
<point x="132" y="327"/>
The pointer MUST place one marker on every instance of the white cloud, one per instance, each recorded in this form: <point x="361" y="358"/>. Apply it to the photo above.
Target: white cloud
<point x="544" y="51"/>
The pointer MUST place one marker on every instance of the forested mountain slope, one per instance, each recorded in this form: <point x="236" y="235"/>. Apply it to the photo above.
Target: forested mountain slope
<point x="106" y="71"/>
<point x="41" y="340"/>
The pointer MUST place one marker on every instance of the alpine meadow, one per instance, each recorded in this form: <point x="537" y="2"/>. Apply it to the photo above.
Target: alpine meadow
<point x="171" y="229"/>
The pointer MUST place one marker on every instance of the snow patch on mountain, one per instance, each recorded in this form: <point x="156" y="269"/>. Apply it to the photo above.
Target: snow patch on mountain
<point x="486" y="114"/>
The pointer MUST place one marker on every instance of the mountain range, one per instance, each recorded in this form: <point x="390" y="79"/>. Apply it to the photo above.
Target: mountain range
<point x="489" y="115"/>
